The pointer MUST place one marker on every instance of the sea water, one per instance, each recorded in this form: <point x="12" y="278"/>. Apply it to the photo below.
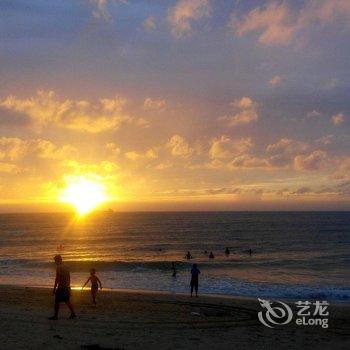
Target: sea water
<point x="297" y="255"/>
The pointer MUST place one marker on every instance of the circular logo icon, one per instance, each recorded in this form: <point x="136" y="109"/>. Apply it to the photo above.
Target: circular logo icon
<point x="275" y="313"/>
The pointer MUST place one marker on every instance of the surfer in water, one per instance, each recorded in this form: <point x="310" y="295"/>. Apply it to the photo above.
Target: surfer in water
<point x="188" y="255"/>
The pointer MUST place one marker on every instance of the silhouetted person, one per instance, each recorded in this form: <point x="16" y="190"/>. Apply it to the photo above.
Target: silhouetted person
<point x="194" y="279"/>
<point x="174" y="269"/>
<point x="95" y="281"/>
<point x="188" y="256"/>
<point x="211" y="255"/>
<point x="227" y="251"/>
<point x="250" y="252"/>
<point x="61" y="289"/>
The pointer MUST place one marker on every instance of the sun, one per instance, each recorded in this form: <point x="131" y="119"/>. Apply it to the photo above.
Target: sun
<point x="84" y="194"/>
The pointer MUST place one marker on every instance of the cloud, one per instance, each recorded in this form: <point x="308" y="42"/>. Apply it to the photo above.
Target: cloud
<point x="277" y="23"/>
<point x="343" y="169"/>
<point x="313" y="114"/>
<point x="331" y="84"/>
<point x="154" y="104"/>
<point x="274" y="23"/>
<point x="8" y="168"/>
<point x="247" y="161"/>
<point x="311" y="162"/>
<point x="223" y="190"/>
<point x="282" y="152"/>
<point x="14" y="149"/>
<point x="179" y="146"/>
<point x="142" y="123"/>
<point x="182" y="16"/>
<point x="152" y="153"/>
<point x="101" y="10"/>
<point x="45" y="109"/>
<point x="287" y="146"/>
<point x="47" y="150"/>
<point x="338" y="119"/>
<point x="325" y="140"/>
<point x="245" y="112"/>
<point x="302" y="190"/>
<point x="149" y="24"/>
<point x="325" y="12"/>
<point x="103" y="168"/>
<point x="163" y="166"/>
<point x="344" y="188"/>
<point x="223" y="147"/>
<point x="113" y="149"/>
<point x="276" y="80"/>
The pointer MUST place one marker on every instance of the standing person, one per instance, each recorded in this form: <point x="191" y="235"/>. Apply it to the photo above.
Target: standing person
<point x="188" y="255"/>
<point x="174" y="268"/>
<point x="227" y="251"/>
<point x="95" y="281"/>
<point x="61" y="289"/>
<point x="194" y="279"/>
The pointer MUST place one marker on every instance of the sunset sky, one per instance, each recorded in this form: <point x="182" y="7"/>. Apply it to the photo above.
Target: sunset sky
<point x="176" y="105"/>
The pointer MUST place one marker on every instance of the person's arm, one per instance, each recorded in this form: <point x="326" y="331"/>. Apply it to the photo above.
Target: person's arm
<point x="85" y="283"/>
<point x="56" y="282"/>
<point x="98" y="280"/>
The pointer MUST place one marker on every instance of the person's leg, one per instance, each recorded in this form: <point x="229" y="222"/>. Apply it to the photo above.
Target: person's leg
<point x="191" y="289"/>
<point x="93" y="294"/>
<point x="56" y="309"/>
<point x="70" y="306"/>
<point x="196" y="290"/>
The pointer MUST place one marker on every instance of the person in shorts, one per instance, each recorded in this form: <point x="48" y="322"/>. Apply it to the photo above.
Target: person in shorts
<point x="194" y="279"/>
<point x="61" y="289"/>
<point x="95" y="281"/>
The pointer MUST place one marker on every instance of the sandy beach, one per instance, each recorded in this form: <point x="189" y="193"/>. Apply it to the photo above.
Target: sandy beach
<point x="150" y="320"/>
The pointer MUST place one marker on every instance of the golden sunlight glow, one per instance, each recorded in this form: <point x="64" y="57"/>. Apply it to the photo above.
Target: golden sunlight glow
<point x="85" y="195"/>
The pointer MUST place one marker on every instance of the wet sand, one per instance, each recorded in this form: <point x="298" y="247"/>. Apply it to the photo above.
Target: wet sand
<point x="151" y="320"/>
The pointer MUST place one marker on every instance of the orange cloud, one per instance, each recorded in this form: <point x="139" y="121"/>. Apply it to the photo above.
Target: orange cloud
<point x="13" y="149"/>
<point x="45" y="109"/>
<point x="314" y="161"/>
<point x="274" y="22"/>
<point x="246" y="112"/>
<point x="179" y="146"/>
<point x="154" y="104"/>
<point x="149" y="23"/>
<point x="277" y="23"/>
<point x="276" y="80"/>
<point x="184" y="13"/>
<point x="338" y="119"/>
<point x="224" y="147"/>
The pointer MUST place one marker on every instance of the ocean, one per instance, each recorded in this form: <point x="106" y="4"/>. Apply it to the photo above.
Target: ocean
<point x="296" y="255"/>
